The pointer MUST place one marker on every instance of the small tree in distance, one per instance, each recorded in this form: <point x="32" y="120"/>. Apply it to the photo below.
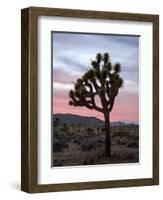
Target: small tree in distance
<point x="103" y="80"/>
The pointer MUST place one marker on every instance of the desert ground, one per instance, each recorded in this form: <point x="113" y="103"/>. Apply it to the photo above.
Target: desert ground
<point x="78" y="144"/>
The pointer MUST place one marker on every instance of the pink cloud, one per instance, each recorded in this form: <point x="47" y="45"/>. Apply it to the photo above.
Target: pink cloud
<point x="61" y="76"/>
<point x="126" y="107"/>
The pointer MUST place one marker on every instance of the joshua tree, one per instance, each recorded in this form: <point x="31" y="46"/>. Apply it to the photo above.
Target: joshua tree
<point x="103" y="80"/>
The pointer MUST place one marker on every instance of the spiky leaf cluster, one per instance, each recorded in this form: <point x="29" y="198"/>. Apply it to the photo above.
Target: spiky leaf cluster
<point x="101" y="79"/>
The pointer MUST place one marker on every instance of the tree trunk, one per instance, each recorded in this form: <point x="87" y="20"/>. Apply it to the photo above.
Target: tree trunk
<point x="107" y="134"/>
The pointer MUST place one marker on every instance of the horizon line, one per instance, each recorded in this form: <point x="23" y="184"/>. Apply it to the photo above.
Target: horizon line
<point x="96" y="117"/>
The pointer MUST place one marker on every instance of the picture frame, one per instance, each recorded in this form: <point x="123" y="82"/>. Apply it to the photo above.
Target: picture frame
<point x="29" y="99"/>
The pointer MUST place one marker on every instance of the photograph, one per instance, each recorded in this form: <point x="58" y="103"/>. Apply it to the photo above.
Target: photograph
<point x="89" y="99"/>
<point x="95" y="99"/>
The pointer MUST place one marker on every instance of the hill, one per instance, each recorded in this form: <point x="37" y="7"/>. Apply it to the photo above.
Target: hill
<point x="85" y="120"/>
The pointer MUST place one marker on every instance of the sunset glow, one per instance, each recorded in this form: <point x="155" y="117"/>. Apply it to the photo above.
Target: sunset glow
<point x="72" y="54"/>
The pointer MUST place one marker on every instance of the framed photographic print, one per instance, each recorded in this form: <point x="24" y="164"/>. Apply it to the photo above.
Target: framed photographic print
<point x="90" y="99"/>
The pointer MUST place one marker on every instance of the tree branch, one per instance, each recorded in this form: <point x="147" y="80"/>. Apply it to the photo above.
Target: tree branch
<point x="107" y="89"/>
<point x="111" y="104"/>
<point x="95" y="85"/>
<point x="92" y="94"/>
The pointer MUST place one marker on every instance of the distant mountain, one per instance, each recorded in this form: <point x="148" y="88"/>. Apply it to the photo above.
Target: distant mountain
<point x="84" y="120"/>
<point x="123" y="123"/>
<point x="77" y="119"/>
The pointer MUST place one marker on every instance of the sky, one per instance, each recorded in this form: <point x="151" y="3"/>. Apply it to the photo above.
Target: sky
<point x="72" y="55"/>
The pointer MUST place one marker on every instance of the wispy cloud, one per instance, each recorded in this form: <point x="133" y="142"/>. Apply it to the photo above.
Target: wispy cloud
<point x="72" y="54"/>
<point x="62" y="86"/>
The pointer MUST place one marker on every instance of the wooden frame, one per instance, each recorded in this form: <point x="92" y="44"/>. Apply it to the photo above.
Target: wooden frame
<point x="29" y="99"/>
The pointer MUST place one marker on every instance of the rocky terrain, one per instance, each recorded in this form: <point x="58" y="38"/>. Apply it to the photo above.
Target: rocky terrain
<point x="79" y="140"/>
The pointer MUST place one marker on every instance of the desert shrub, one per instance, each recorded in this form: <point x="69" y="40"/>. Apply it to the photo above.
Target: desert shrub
<point x="85" y="162"/>
<point x="135" y="136"/>
<point x="90" y="160"/>
<point x="91" y="143"/>
<point x="78" y="130"/>
<point x="90" y="132"/>
<point x="56" y="122"/>
<point x="125" y="155"/>
<point x="86" y="145"/>
<point x="133" y="144"/>
<point x="118" y="140"/>
<point x="89" y="129"/>
<point x="59" y="144"/>
<point x="78" y="139"/>
<point x="56" y="146"/>
<point x="58" y="162"/>
<point x="103" y="129"/>
<point x="100" y="141"/>
<point x="120" y="134"/>
<point x="64" y="128"/>
<point x="121" y="140"/>
<point x="128" y="156"/>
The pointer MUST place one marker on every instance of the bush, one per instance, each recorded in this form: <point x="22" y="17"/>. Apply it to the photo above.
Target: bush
<point x="125" y="155"/>
<point x="120" y="134"/>
<point x="59" y="144"/>
<point x="58" y="163"/>
<point x="120" y="140"/>
<point x="133" y="144"/>
<point x="91" y="143"/>
<point x="86" y="145"/>
<point x="78" y="139"/>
